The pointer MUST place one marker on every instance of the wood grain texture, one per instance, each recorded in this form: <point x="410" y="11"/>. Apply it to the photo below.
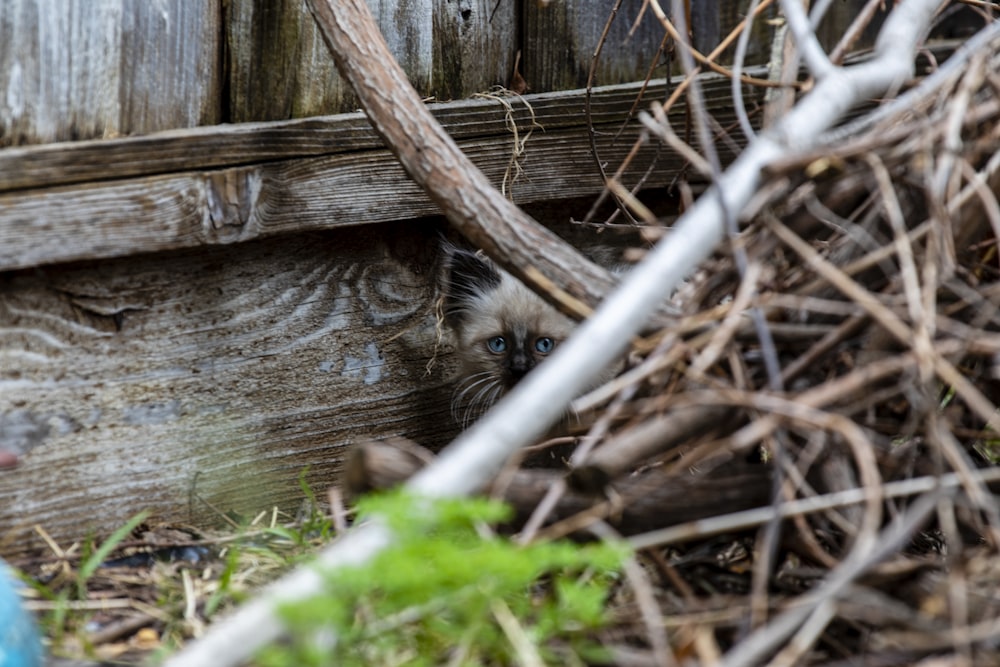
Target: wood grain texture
<point x="84" y="69"/>
<point x="475" y="44"/>
<point x="280" y="69"/>
<point x="243" y="203"/>
<point x="561" y="39"/>
<point x="248" y="143"/>
<point x="87" y="69"/>
<point x="332" y="175"/>
<point x="408" y="29"/>
<point x="214" y="376"/>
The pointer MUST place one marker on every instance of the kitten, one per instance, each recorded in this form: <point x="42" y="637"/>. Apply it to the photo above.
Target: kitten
<point x="502" y="329"/>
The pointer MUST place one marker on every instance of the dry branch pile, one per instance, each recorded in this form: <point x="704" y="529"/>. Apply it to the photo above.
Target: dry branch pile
<point x="836" y="367"/>
<point x="804" y="457"/>
<point x="876" y="282"/>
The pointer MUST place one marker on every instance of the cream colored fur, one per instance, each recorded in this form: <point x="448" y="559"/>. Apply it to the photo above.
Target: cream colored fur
<point x="482" y="309"/>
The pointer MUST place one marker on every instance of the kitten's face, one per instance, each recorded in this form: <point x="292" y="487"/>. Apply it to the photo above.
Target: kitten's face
<point x="503" y="330"/>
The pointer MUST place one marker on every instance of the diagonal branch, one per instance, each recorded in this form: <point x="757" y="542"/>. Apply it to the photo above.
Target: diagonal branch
<point x="805" y="38"/>
<point x="432" y="158"/>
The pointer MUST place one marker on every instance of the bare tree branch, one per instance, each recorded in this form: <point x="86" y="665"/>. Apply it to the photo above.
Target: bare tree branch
<point x="757" y="645"/>
<point x="805" y="38"/>
<point x="433" y="159"/>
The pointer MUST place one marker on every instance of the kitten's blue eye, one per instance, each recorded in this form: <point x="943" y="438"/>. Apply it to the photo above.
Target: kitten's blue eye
<point x="544" y="345"/>
<point x="497" y="344"/>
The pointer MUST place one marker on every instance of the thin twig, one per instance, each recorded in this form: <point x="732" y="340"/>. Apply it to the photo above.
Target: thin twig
<point x="806" y="40"/>
<point x="895" y="326"/>
<point x="747" y="519"/>
<point x="749" y="651"/>
<point x="644" y="596"/>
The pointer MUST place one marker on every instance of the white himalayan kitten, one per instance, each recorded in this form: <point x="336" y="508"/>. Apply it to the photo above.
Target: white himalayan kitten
<point x="502" y="330"/>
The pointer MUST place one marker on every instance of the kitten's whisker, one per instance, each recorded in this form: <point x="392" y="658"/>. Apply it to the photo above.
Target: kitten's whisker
<point x="478" y="385"/>
<point x="469" y="384"/>
<point x="483" y="399"/>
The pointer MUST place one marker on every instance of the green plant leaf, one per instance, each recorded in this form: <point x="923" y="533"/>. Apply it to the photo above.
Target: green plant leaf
<point x="100" y="554"/>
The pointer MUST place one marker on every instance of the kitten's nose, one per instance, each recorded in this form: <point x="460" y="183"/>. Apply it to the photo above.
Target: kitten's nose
<point x="518" y="365"/>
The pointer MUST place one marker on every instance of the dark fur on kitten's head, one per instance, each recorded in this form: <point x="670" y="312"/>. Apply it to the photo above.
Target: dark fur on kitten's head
<point x="502" y="329"/>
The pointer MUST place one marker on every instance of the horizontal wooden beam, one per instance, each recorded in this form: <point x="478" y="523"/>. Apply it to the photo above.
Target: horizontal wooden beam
<point x="217" y="146"/>
<point x="224" y="184"/>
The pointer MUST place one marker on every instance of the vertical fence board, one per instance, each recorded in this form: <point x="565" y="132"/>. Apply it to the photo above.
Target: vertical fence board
<point x="475" y="44"/>
<point x="170" y="70"/>
<point x="560" y="39"/>
<point x="837" y="20"/>
<point x="408" y="28"/>
<point x="728" y="14"/>
<point x="280" y="68"/>
<point x="81" y="69"/>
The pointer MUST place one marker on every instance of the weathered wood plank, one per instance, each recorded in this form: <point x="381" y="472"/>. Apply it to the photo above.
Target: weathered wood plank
<point x="249" y="143"/>
<point x="96" y="68"/>
<point x="475" y="45"/>
<point x="189" y="201"/>
<point x="837" y="20"/>
<point x="712" y="21"/>
<point x="156" y="213"/>
<point x="408" y="29"/>
<point x="562" y="37"/>
<point x="210" y="378"/>
<point x="280" y="69"/>
<point x="243" y="203"/>
<point x="86" y="69"/>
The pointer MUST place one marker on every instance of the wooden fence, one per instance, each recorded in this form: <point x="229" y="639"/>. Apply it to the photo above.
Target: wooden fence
<point x="195" y="303"/>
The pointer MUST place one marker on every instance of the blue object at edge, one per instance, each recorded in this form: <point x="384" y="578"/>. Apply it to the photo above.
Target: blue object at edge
<point x="19" y="642"/>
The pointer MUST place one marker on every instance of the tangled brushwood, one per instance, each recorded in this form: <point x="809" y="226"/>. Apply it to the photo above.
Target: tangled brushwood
<point x="806" y="458"/>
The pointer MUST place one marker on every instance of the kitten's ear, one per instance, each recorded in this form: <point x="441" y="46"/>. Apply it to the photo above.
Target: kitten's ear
<point x="467" y="275"/>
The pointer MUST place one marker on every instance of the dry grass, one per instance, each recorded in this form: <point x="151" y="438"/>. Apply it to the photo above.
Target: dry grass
<point x="160" y="586"/>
